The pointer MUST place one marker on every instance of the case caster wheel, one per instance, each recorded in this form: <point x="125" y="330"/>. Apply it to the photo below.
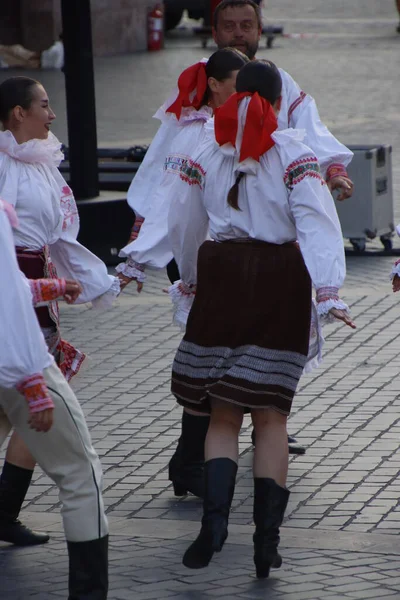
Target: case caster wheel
<point x="358" y="245"/>
<point x="386" y="243"/>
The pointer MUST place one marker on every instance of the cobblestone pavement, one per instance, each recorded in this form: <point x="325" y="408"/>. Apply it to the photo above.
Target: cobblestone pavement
<point x="340" y="538"/>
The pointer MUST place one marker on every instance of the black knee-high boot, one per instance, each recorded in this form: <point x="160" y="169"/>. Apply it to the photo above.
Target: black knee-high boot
<point x="88" y="569"/>
<point x="219" y="477"/>
<point x="270" y="502"/>
<point x="186" y="467"/>
<point x="14" y="484"/>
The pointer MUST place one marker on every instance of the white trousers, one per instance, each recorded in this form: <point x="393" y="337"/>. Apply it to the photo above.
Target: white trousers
<point x="65" y="453"/>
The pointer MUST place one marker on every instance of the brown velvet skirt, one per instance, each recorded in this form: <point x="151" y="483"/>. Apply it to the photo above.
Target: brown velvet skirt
<point x="247" y="335"/>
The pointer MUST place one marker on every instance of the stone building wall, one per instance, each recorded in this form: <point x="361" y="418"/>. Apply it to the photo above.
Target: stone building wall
<point x="118" y="26"/>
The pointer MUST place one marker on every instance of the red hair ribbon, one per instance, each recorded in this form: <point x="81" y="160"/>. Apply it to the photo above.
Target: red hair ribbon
<point x="261" y="122"/>
<point x="192" y="79"/>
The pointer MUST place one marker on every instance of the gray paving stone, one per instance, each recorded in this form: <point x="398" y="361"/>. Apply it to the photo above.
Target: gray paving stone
<point x="346" y="412"/>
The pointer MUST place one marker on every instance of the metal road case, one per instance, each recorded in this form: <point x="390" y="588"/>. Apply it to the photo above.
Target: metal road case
<point x="369" y="212"/>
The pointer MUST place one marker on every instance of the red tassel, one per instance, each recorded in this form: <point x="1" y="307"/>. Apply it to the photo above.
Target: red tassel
<point x="192" y="79"/>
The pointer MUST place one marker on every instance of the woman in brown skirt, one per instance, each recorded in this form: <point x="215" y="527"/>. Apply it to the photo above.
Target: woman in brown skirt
<point x="255" y="191"/>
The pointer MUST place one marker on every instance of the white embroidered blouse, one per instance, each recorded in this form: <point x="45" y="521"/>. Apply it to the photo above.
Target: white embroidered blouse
<point x="174" y="140"/>
<point x="282" y="199"/>
<point x="47" y="213"/>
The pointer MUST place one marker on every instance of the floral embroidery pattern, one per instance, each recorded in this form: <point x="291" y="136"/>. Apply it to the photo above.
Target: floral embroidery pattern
<point x="186" y="168"/>
<point x="336" y="170"/>
<point x="36" y="393"/>
<point x="193" y="174"/>
<point x="327" y="293"/>
<point x="68" y="206"/>
<point x="175" y="162"/>
<point x="45" y="290"/>
<point x="299" y="169"/>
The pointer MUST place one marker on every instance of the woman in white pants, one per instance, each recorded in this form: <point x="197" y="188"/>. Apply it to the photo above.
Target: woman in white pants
<point x="36" y="398"/>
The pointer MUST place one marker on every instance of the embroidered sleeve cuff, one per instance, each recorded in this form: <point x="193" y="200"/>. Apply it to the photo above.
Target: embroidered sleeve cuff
<point x="136" y="228"/>
<point x="46" y="290"/>
<point x="132" y="269"/>
<point x="328" y="298"/>
<point x="182" y="296"/>
<point x="35" y="391"/>
<point x="336" y="170"/>
<point x="395" y="269"/>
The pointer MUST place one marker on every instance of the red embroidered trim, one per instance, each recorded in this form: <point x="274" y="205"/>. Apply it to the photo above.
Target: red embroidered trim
<point x="192" y="173"/>
<point x="327" y="293"/>
<point x="46" y="290"/>
<point x="295" y="104"/>
<point x="185" y="289"/>
<point x="71" y="359"/>
<point x="136" y="228"/>
<point x="299" y="169"/>
<point x="68" y="206"/>
<point x="336" y="170"/>
<point x="35" y="391"/>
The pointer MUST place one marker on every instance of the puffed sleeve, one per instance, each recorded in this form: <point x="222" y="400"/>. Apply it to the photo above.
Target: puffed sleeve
<point x="23" y="351"/>
<point x="150" y="172"/>
<point x="74" y="261"/>
<point x="8" y="179"/>
<point x="318" y="230"/>
<point x="152" y="247"/>
<point x="300" y="111"/>
<point x="187" y="230"/>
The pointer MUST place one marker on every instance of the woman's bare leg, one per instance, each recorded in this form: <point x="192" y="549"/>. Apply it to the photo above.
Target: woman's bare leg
<point x="271" y="457"/>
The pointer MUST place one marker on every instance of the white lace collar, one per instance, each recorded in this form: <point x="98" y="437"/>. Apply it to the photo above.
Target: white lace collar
<point x="47" y="152"/>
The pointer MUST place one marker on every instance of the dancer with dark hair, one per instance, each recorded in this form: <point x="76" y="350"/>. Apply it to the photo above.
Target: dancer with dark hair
<point x="254" y="190"/>
<point x="45" y="240"/>
<point x="237" y="24"/>
<point x="201" y="88"/>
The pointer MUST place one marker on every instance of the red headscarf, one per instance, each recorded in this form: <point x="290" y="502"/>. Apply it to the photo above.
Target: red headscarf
<point x="261" y="122"/>
<point x="192" y="79"/>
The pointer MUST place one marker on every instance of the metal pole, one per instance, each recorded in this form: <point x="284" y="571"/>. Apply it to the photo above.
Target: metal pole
<point x="80" y="94"/>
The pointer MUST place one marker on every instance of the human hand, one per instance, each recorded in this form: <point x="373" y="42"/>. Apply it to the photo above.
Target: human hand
<point x="41" y="421"/>
<point x="123" y="280"/>
<point x="343" y="184"/>
<point x="396" y="283"/>
<point x="342" y="315"/>
<point x="73" y="289"/>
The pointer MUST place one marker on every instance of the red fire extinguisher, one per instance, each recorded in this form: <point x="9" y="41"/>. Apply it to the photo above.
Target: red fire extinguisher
<point x="155" y="30"/>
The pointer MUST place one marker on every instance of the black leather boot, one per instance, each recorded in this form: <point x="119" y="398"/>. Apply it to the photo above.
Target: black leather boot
<point x="14" y="484"/>
<point x="88" y="569"/>
<point x="186" y="467"/>
<point x="270" y="502"/>
<point x="219" y="477"/>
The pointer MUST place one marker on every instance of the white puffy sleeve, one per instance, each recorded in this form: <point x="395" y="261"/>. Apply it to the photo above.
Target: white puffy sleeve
<point x="23" y="351"/>
<point x="152" y="246"/>
<point x="74" y="261"/>
<point x="187" y="230"/>
<point x="318" y="230"/>
<point x="8" y="179"/>
<point x="299" y="111"/>
<point x="150" y="172"/>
